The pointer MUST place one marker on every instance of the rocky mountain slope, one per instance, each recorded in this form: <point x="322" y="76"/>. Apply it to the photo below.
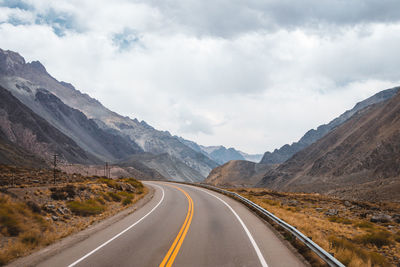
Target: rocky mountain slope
<point x="285" y="152"/>
<point x="165" y="164"/>
<point x="15" y="71"/>
<point x="237" y="173"/>
<point x="12" y="154"/>
<point x="359" y="159"/>
<point x="85" y="132"/>
<point x="22" y="127"/>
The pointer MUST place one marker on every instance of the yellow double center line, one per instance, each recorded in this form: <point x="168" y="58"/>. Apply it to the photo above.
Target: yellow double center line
<point x="174" y="249"/>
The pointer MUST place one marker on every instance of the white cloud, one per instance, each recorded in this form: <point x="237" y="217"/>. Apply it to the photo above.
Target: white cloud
<point x="250" y="87"/>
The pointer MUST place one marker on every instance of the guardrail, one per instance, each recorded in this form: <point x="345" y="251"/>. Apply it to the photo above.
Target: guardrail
<point x="324" y="255"/>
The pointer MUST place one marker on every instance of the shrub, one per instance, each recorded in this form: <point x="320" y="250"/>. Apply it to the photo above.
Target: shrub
<point x="125" y="194"/>
<point x="85" y="208"/>
<point x="58" y="193"/>
<point x="34" y="207"/>
<point x="114" y="196"/>
<point x="31" y="237"/>
<point x="110" y="183"/>
<point x="379" y="239"/>
<point x="70" y="190"/>
<point x="105" y="196"/>
<point x="101" y="200"/>
<point x="271" y="202"/>
<point x="8" y="218"/>
<point x="127" y="201"/>
<point x="347" y="251"/>
<point x="135" y="183"/>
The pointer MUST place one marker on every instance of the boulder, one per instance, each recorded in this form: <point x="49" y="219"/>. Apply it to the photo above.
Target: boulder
<point x="382" y="218"/>
<point x="332" y="212"/>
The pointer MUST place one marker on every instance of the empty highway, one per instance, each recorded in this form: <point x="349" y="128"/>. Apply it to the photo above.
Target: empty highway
<point x="182" y="226"/>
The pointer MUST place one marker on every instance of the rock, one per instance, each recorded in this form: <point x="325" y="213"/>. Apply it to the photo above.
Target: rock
<point x="347" y="203"/>
<point x="382" y="218"/>
<point x="50" y="207"/>
<point x="55" y="218"/>
<point x="332" y="212"/>
<point x="319" y="209"/>
<point x="292" y="203"/>
<point x="60" y="210"/>
<point x="396" y="218"/>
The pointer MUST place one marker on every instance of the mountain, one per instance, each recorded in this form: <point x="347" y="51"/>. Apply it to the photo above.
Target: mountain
<point x="12" y="154"/>
<point x="165" y="164"/>
<point x="237" y="173"/>
<point x="220" y="154"/>
<point x="358" y="159"/>
<point x="24" y="134"/>
<point x="120" y="136"/>
<point x="223" y="155"/>
<point x="285" y="152"/>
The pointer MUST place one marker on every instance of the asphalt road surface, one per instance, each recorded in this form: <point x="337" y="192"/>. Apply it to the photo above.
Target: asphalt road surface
<point x="182" y="226"/>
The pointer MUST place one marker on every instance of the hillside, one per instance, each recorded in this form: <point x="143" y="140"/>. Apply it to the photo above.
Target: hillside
<point x="27" y="131"/>
<point x="359" y="159"/>
<point x="237" y="173"/>
<point x="18" y="76"/>
<point x="285" y="152"/>
<point x="11" y="154"/>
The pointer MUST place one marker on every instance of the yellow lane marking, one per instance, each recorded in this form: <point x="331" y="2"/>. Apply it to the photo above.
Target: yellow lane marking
<point x="176" y="245"/>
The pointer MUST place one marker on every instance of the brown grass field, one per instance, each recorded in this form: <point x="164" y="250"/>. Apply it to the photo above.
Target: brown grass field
<point x="36" y="214"/>
<point x="343" y="228"/>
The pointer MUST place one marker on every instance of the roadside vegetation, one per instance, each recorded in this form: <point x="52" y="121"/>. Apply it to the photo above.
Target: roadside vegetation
<point x="356" y="233"/>
<point x="36" y="214"/>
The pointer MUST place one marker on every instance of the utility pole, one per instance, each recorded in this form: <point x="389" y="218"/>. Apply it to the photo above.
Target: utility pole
<point x="54" y="169"/>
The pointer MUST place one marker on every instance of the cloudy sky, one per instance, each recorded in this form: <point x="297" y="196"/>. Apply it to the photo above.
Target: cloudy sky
<point x="248" y="74"/>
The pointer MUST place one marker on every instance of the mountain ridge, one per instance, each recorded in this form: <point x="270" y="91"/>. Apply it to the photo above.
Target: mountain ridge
<point x="15" y="72"/>
<point x="359" y="159"/>
<point x="286" y="151"/>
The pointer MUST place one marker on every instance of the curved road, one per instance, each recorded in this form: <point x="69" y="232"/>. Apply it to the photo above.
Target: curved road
<point x="182" y="226"/>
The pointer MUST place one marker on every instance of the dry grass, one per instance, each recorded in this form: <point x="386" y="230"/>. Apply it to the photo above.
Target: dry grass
<point x="349" y="235"/>
<point x="33" y="217"/>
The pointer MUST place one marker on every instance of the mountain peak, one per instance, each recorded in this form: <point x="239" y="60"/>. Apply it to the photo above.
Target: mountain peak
<point x="37" y="66"/>
<point x="10" y="61"/>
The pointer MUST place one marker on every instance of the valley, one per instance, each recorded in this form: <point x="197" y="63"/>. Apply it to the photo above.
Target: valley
<point x="339" y="184"/>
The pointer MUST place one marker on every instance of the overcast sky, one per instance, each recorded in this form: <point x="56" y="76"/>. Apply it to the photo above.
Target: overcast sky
<point x="248" y="74"/>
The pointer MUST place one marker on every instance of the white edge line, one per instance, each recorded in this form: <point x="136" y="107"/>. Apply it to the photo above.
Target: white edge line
<point x="121" y="233"/>
<point x="253" y="242"/>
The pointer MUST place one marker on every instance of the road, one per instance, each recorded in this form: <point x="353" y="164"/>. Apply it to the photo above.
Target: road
<point x="182" y="226"/>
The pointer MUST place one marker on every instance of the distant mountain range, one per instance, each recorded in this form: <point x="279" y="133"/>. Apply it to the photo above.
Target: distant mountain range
<point x="99" y="134"/>
<point x="220" y="154"/>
